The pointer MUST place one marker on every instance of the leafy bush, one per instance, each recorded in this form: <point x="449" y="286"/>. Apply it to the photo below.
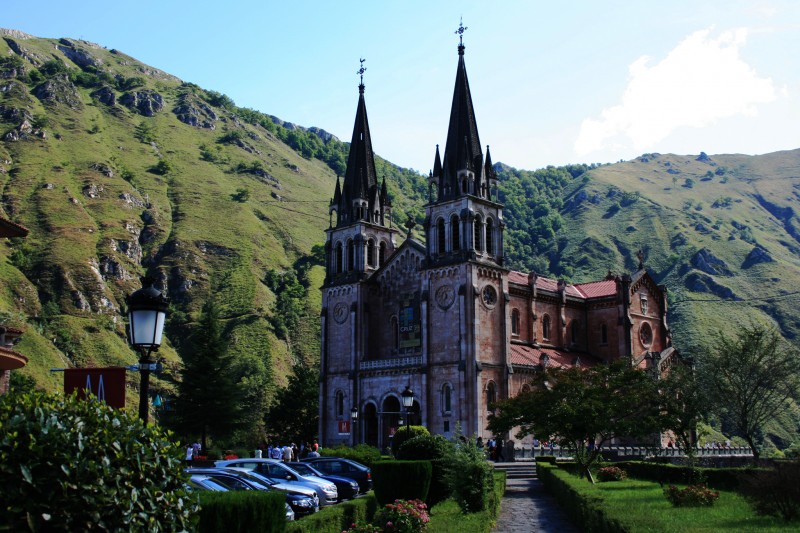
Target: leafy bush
<point x="691" y="496"/>
<point x="401" y="480"/>
<point x="406" y="433"/>
<point x="409" y="516"/>
<point x="362" y="453"/>
<point x="246" y="510"/>
<point x="470" y="477"/>
<point x="611" y="473"/>
<point x="436" y="449"/>
<point x="775" y="492"/>
<point x="73" y="465"/>
<point x="339" y="517"/>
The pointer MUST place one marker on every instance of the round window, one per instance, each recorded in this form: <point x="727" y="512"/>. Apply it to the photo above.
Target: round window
<point x="646" y="335"/>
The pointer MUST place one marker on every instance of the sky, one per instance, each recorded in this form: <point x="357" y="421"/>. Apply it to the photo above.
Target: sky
<point x="552" y="82"/>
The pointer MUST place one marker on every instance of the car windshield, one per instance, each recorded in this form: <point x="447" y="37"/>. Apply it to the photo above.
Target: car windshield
<point x="305" y="470"/>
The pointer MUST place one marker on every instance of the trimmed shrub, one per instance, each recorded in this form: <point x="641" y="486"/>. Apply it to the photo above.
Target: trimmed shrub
<point x="337" y="518"/>
<point x="242" y="511"/>
<point x="470" y="477"/>
<point x="611" y="473"/>
<point x="549" y="459"/>
<point x="406" y="433"/>
<point x="691" y="496"/>
<point x="719" y="478"/>
<point x="401" y="480"/>
<point x="362" y="453"/>
<point x="436" y="449"/>
<point x="403" y="516"/>
<point x="777" y="491"/>
<point x="73" y="465"/>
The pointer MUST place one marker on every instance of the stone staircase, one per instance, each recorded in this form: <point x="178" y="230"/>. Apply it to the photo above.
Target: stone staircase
<point x="520" y="470"/>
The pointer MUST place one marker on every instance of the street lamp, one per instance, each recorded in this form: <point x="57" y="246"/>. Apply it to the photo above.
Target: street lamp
<point x="408" y="402"/>
<point x="354" y="419"/>
<point x="147" y="311"/>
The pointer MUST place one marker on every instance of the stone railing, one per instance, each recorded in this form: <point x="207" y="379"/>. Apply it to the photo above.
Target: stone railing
<point x="528" y="452"/>
<point x="396" y="362"/>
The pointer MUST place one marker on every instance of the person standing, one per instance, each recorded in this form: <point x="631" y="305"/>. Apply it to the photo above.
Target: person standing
<point x="259" y="452"/>
<point x="287" y="454"/>
<point x="189" y="455"/>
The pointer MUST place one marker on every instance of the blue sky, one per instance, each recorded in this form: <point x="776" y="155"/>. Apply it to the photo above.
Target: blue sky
<point x="586" y="81"/>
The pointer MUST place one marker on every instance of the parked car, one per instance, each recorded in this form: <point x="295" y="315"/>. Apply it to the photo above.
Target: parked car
<point x="337" y="466"/>
<point x="295" y="490"/>
<point x="278" y="471"/>
<point x="346" y="487"/>
<point x="219" y="480"/>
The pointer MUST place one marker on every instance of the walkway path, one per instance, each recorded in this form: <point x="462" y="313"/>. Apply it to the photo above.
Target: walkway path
<point x="527" y="508"/>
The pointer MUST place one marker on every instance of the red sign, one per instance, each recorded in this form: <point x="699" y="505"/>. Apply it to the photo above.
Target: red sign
<point x="107" y="384"/>
<point x="344" y="427"/>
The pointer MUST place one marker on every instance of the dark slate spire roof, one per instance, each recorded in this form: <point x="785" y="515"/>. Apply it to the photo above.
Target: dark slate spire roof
<point x="463" y="148"/>
<point x="360" y="178"/>
<point x="437" y="163"/>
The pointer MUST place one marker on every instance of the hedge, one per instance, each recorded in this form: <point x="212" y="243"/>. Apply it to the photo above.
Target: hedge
<point x="403" y="480"/>
<point x="719" y="478"/>
<point x="436" y="449"/>
<point x="584" y="511"/>
<point x="242" y="511"/>
<point x="362" y="453"/>
<point x="337" y="518"/>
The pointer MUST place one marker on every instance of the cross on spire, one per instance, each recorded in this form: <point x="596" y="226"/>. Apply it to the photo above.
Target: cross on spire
<point x="362" y="70"/>
<point x="460" y="32"/>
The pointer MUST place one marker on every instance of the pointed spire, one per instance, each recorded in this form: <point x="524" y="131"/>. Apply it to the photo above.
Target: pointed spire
<point x="437" y="164"/>
<point x="337" y="193"/>
<point x="385" y="201"/>
<point x="490" y="175"/>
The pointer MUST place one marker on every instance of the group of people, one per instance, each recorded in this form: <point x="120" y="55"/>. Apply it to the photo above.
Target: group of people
<point x="289" y="452"/>
<point x="192" y="453"/>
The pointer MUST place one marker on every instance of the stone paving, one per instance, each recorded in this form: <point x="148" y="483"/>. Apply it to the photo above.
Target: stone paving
<point x="527" y="508"/>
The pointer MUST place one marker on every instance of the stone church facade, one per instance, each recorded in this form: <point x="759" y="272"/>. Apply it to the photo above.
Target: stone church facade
<point x="446" y="317"/>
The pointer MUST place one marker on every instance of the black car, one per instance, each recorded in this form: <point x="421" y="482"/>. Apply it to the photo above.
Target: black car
<point x="214" y="478"/>
<point x="347" y="487"/>
<point x="336" y="466"/>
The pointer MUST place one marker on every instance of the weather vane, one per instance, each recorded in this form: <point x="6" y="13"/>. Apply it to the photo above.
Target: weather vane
<point x="460" y="31"/>
<point x="362" y="70"/>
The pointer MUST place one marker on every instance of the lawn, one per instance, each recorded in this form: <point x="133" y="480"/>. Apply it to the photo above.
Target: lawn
<point x="640" y="506"/>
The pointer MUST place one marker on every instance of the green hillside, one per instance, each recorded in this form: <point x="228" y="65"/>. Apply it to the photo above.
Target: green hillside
<point x="120" y="169"/>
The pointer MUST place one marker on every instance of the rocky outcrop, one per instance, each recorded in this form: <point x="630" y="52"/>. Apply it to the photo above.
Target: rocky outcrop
<point x="146" y="102"/>
<point x="58" y="90"/>
<point x="756" y="256"/>
<point x="703" y="157"/>
<point x="105" y="95"/>
<point x="24" y="53"/>
<point x="103" y="169"/>
<point x="131" y="249"/>
<point x="194" y="112"/>
<point x="24" y="131"/>
<point x="91" y="190"/>
<point x="707" y="262"/>
<point x="110" y="268"/>
<point x="15" y="114"/>
<point x="78" y="55"/>
<point x="697" y="282"/>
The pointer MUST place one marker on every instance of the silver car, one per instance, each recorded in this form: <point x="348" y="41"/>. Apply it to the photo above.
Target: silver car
<point x="277" y="471"/>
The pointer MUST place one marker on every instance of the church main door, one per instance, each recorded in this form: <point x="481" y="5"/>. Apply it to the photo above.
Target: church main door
<point x="370" y="425"/>
<point x="390" y="420"/>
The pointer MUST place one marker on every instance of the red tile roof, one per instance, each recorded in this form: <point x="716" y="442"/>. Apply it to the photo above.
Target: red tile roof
<point x="597" y="289"/>
<point x="521" y="354"/>
<point x="11" y="229"/>
<point x="593" y="289"/>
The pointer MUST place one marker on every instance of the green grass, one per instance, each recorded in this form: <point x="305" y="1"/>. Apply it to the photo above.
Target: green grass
<point x="446" y="517"/>
<point x="640" y="507"/>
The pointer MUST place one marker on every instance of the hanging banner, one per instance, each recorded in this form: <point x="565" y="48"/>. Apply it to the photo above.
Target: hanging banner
<point x="409" y="323"/>
<point x="344" y="427"/>
<point x="107" y="384"/>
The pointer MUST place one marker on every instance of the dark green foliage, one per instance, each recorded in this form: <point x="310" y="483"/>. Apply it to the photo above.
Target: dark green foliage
<point x="19" y="383"/>
<point x="401" y="480"/>
<point x="241" y="195"/>
<point x="361" y="453"/>
<point x="469" y="476"/>
<point x="144" y="132"/>
<point x="290" y="303"/>
<point x="73" y="465"/>
<point x="684" y="404"/>
<point x="208" y="399"/>
<point x="438" y="450"/>
<point x="231" y="137"/>
<point x="405" y="433"/>
<point x="776" y="491"/>
<point x="220" y="100"/>
<point x="242" y="512"/>
<point x="162" y="168"/>
<point x="337" y="518"/>
<point x="689" y="183"/>
<point x="53" y="67"/>
<point x="719" y="478"/>
<point x="294" y="414"/>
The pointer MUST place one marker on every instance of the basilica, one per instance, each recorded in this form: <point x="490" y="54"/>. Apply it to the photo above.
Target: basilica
<point x="444" y="318"/>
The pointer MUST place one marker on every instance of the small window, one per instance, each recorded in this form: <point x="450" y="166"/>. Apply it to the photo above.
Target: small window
<point x="339" y="404"/>
<point x="371" y="253"/>
<point x="643" y="300"/>
<point x="395" y="333"/>
<point x="489" y="237"/>
<point x="351" y="255"/>
<point x="603" y="334"/>
<point x="491" y="396"/>
<point x="646" y="335"/>
<point x="455" y="236"/>
<point x="446" y="427"/>
<point x="339" y="258"/>
<point x="515" y="322"/>
<point x="440" y="236"/>
<point x="477" y="233"/>
<point x="448" y="398"/>
<point x="546" y="327"/>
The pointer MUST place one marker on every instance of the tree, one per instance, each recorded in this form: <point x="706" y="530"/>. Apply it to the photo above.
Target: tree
<point x="749" y="378"/>
<point x="294" y="414"/>
<point x="208" y="397"/>
<point x="583" y="408"/>
<point x="684" y="404"/>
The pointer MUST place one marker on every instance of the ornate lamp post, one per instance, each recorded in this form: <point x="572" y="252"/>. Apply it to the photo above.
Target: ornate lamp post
<point x="354" y="419"/>
<point x="408" y="402"/>
<point x="147" y="311"/>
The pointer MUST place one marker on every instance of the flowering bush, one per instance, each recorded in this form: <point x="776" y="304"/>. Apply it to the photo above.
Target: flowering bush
<point x="367" y="528"/>
<point x="402" y="516"/>
<point x="611" y="473"/>
<point x="692" y="496"/>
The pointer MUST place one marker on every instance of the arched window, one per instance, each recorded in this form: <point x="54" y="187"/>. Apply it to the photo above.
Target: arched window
<point x="381" y="254"/>
<point x="576" y="330"/>
<point x="339" y="258"/>
<point x="464" y="184"/>
<point x="395" y="333"/>
<point x="489" y="236"/>
<point x="455" y="236"/>
<point x="371" y="252"/>
<point x="477" y="227"/>
<point x="515" y="322"/>
<point x="546" y="327"/>
<point x="351" y="255"/>
<point x="525" y="389"/>
<point x="447" y="398"/>
<point x="491" y="396"/>
<point x="603" y="334"/>
<point x="440" y="236"/>
<point x="339" y="403"/>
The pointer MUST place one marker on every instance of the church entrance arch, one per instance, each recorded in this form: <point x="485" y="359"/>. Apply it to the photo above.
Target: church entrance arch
<point x="370" y="424"/>
<point x="391" y="412"/>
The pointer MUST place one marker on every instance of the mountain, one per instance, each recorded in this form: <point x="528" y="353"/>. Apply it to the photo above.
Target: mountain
<point x="120" y="169"/>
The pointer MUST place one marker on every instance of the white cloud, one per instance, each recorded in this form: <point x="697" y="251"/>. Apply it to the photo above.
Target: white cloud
<point x="700" y="81"/>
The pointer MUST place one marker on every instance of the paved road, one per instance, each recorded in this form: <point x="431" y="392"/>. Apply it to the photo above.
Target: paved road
<point x="527" y="508"/>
